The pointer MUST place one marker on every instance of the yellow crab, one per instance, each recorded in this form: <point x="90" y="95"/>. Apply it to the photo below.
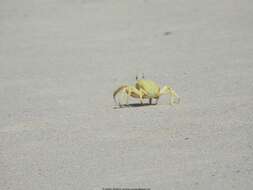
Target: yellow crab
<point x="146" y="89"/>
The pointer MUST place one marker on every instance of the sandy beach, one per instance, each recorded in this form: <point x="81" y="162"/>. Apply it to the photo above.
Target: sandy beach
<point x="60" y="62"/>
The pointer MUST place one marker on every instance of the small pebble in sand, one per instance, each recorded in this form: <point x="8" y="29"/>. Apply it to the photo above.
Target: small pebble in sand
<point x="167" y="33"/>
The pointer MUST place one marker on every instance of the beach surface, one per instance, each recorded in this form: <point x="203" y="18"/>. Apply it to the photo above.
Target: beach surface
<point x="60" y="62"/>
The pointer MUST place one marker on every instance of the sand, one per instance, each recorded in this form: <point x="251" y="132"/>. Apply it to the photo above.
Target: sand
<point x="61" y="60"/>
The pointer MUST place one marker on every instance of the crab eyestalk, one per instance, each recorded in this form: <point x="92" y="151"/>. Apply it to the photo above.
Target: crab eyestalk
<point x="142" y="76"/>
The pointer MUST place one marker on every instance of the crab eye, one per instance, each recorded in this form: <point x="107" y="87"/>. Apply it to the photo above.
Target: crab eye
<point x="136" y="77"/>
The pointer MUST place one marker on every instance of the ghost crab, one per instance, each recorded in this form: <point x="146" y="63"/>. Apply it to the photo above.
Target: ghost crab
<point x="146" y="89"/>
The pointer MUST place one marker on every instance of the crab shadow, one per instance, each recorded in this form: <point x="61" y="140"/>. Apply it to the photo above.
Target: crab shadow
<point x="134" y="105"/>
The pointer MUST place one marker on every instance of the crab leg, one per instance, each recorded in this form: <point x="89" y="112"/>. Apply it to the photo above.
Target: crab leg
<point x="168" y="90"/>
<point x="121" y="88"/>
<point x="128" y="91"/>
